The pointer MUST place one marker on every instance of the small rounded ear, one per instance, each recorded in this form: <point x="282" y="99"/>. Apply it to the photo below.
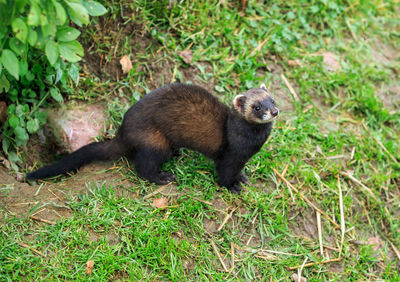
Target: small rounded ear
<point x="238" y="102"/>
<point x="262" y="86"/>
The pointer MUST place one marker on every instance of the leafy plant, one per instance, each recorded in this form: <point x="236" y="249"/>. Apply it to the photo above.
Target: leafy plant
<point x="38" y="52"/>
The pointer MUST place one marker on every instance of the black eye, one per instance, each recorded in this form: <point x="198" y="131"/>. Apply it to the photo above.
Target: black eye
<point x="273" y="103"/>
<point x="257" y="108"/>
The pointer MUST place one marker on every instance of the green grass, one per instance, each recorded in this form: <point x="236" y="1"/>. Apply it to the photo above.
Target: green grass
<point x="128" y="239"/>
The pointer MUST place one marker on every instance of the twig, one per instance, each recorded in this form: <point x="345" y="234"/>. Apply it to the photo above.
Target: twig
<point x="247" y="249"/>
<point x="284" y="172"/>
<point x="380" y="144"/>
<point x="342" y="223"/>
<point x="316" y="175"/>
<point x="38" y="190"/>
<point x="321" y="247"/>
<point x="315" y="263"/>
<point x="259" y="46"/>
<point x="128" y="211"/>
<point x="218" y="255"/>
<point x="30" y="248"/>
<point x="386" y="187"/>
<point x="227" y="217"/>
<point x="352" y="153"/>
<point x="289" y="86"/>
<point x="249" y="240"/>
<point x="394" y="249"/>
<point x="59" y="215"/>
<point x="159" y="190"/>
<point x="232" y="257"/>
<point x="27" y="203"/>
<point x="336" y="157"/>
<point x="306" y="199"/>
<point x="42" y="220"/>
<point x="301" y="269"/>
<point x="200" y="200"/>
<point x="352" y="178"/>
<point x="48" y="189"/>
<point x="331" y="248"/>
<point x="351" y="31"/>
<point x="39" y="211"/>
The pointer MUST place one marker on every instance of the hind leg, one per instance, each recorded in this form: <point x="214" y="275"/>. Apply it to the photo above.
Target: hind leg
<point x="148" y="164"/>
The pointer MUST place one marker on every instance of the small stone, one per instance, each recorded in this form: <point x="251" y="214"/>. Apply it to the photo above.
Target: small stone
<point x="73" y="127"/>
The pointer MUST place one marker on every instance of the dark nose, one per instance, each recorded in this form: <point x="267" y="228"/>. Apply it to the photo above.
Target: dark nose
<point x="274" y="112"/>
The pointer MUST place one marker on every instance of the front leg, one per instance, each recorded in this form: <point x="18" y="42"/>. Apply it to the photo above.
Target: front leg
<point x="229" y="169"/>
<point x="243" y="178"/>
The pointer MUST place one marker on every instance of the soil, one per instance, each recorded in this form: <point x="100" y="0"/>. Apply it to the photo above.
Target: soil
<point x="47" y="200"/>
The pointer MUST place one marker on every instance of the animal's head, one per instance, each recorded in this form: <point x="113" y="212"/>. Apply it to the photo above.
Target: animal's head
<point x="256" y="105"/>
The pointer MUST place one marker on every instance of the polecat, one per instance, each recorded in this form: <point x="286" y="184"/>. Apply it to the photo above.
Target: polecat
<point x="179" y="115"/>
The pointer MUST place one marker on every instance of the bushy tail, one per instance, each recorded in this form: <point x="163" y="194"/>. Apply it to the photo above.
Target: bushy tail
<point x="96" y="151"/>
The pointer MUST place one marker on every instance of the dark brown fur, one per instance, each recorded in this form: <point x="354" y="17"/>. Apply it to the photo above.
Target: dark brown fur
<point x="183" y="117"/>
<point x="176" y="116"/>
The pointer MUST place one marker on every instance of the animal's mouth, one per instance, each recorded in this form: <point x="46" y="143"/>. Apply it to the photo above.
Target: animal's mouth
<point x="270" y="116"/>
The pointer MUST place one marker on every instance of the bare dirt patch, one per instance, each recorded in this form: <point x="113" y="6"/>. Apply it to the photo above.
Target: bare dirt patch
<point x="384" y="54"/>
<point x="101" y="57"/>
<point x="279" y="91"/>
<point x="390" y="96"/>
<point x="49" y="201"/>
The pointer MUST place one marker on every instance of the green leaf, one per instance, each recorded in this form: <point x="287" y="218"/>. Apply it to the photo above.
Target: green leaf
<point x="55" y="93"/>
<point x="41" y="117"/>
<point x="4" y="84"/>
<point x="21" y="135"/>
<point x="32" y="94"/>
<point x="32" y="125"/>
<point x="94" y="8"/>
<point x="67" y="34"/>
<point x="68" y="55"/>
<point x="13" y="96"/>
<point x="19" y="111"/>
<point x="13" y="121"/>
<point x="20" y="29"/>
<point x="29" y="76"/>
<point x="49" y="30"/>
<point x="13" y="157"/>
<point x="71" y="51"/>
<point x="28" y="93"/>
<point x="79" y="12"/>
<point x="23" y="68"/>
<point x="32" y="37"/>
<point x="41" y="41"/>
<point x="61" y="14"/>
<point x="6" y="145"/>
<point x="17" y="46"/>
<point x="73" y="73"/>
<point x="59" y="75"/>
<point x="75" y="46"/>
<point x="34" y="16"/>
<point x="52" y="51"/>
<point x="11" y="109"/>
<point x="44" y="20"/>
<point x="10" y="62"/>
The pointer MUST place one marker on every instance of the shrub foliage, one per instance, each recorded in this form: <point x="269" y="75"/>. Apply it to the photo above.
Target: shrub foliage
<point x="38" y="55"/>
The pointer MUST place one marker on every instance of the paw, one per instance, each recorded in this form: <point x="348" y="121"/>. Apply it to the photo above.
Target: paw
<point x="165" y="178"/>
<point x="235" y="189"/>
<point x="242" y="178"/>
